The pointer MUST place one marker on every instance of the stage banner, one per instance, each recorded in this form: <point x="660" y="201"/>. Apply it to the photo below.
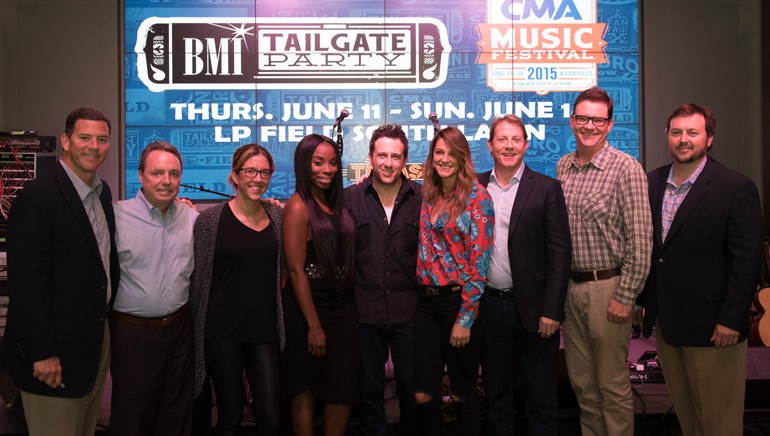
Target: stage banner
<point x="211" y="75"/>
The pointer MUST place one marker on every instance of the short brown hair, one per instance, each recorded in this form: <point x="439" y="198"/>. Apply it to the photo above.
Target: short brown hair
<point x="597" y="95"/>
<point x="690" y="109"/>
<point x="390" y="131"/>
<point x="84" y="113"/>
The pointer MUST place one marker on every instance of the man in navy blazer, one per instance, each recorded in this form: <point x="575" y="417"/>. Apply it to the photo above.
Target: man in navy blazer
<point x="706" y="263"/>
<point x="528" y="277"/>
<point x="62" y="274"/>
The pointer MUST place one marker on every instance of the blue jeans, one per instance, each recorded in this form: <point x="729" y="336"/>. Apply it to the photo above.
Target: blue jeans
<point x="510" y="352"/>
<point x="375" y="342"/>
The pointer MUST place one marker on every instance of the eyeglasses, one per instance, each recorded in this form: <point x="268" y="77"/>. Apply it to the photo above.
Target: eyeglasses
<point x="252" y="172"/>
<point x="583" y="120"/>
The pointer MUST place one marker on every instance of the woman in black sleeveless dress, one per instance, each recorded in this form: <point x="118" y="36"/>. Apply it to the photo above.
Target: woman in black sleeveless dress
<point x="319" y="242"/>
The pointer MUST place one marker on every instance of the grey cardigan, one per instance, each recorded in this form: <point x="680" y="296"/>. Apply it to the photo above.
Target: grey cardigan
<point x="205" y="233"/>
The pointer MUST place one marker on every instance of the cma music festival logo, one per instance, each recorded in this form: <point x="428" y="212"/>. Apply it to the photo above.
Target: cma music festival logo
<point x="286" y="53"/>
<point x="541" y="45"/>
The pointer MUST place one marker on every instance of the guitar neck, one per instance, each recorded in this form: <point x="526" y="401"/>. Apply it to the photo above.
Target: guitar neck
<point x="766" y="265"/>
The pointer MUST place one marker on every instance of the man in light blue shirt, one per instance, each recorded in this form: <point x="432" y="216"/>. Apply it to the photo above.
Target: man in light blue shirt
<point x="152" y="367"/>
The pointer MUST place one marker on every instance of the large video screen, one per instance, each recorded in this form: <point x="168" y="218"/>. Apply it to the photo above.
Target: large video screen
<point x="211" y="75"/>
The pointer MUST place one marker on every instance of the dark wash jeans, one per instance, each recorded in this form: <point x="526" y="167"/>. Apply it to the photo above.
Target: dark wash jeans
<point x="436" y="315"/>
<point x="510" y="352"/>
<point x="375" y="341"/>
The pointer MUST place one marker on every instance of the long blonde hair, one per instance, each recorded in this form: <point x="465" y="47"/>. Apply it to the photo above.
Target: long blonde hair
<point x="452" y="202"/>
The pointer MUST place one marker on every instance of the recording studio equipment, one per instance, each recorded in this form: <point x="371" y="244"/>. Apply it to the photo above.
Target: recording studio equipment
<point x="434" y="119"/>
<point x="646" y="369"/>
<point x="23" y="156"/>
<point x="26" y="140"/>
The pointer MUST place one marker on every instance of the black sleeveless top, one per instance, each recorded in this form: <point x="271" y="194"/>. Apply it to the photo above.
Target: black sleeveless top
<point x="324" y="294"/>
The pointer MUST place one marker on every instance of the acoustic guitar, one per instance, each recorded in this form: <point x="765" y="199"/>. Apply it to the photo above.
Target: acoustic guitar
<point x="760" y="327"/>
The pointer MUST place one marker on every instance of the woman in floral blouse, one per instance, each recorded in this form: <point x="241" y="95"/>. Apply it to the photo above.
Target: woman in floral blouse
<point x="456" y="233"/>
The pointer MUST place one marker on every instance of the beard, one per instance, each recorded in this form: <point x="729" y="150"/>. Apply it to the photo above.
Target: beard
<point x="695" y="156"/>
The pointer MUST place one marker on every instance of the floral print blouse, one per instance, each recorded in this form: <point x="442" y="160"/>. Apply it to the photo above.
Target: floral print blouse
<point x="458" y="251"/>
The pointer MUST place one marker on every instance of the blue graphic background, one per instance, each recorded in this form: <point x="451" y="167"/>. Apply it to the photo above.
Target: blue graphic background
<point x="207" y="162"/>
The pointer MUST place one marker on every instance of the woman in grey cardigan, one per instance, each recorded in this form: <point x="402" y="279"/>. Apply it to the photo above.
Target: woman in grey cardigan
<point x="235" y="296"/>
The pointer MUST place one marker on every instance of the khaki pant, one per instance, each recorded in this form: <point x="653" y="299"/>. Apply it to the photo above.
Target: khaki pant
<point x="56" y="416"/>
<point x="596" y="351"/>
<point x="706" y="385"/>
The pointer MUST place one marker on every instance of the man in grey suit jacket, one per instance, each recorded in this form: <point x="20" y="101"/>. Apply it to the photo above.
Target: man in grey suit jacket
<point x="706" y="262"/>
<point x="528" y="277"/>
<point x="62" y="275"/>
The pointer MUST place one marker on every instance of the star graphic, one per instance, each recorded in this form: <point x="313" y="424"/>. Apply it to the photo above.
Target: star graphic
<point x="238" y="32"/>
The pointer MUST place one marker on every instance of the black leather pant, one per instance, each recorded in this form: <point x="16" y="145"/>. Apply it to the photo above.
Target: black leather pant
<point x="226" y="360"/>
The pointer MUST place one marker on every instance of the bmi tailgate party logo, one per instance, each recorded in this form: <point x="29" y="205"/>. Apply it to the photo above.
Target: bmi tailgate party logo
<point x="542" y="45"/>
<point x="285" y="53"/>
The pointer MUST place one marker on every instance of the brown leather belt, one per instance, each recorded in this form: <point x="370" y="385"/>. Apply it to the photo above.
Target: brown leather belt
<point x="436" y="290"/>
<point x="600" y="274"/>
<point x="164" y="321"/>
<point x="499" y="293"/>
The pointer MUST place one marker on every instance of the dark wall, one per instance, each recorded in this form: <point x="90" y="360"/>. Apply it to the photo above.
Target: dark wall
<point x="765" y="143"/>
<point x="706" y="52"/>
<point x="56" y="55"/>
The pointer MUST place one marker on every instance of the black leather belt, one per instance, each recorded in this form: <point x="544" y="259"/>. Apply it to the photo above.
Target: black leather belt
<point x="436" y="290"/>
<point x="600" y="274"/>
<point x="164" y="321"/>
<point x="499" y="293"/>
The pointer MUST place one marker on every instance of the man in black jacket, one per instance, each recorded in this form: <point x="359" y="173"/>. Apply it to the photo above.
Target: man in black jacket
<point x="527" y="285"/>
<point x="706" y="262"/>
<point x="62" y="274"/>
<point x="386" y="207"/>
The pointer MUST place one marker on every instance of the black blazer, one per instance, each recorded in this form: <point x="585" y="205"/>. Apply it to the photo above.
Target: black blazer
<point x="57" y="285"/>
<point x="707" y="270"/>
<point x="539" y="248"/>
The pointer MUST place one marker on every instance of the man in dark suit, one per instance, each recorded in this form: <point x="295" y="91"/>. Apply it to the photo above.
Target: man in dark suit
<point x="706" y="262"/>
<point x="528" y="277"/>
<point x="62" y="274"/>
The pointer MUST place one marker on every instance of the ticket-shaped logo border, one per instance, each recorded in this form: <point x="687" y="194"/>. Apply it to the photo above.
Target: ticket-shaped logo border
<point x="431" y="52"/>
